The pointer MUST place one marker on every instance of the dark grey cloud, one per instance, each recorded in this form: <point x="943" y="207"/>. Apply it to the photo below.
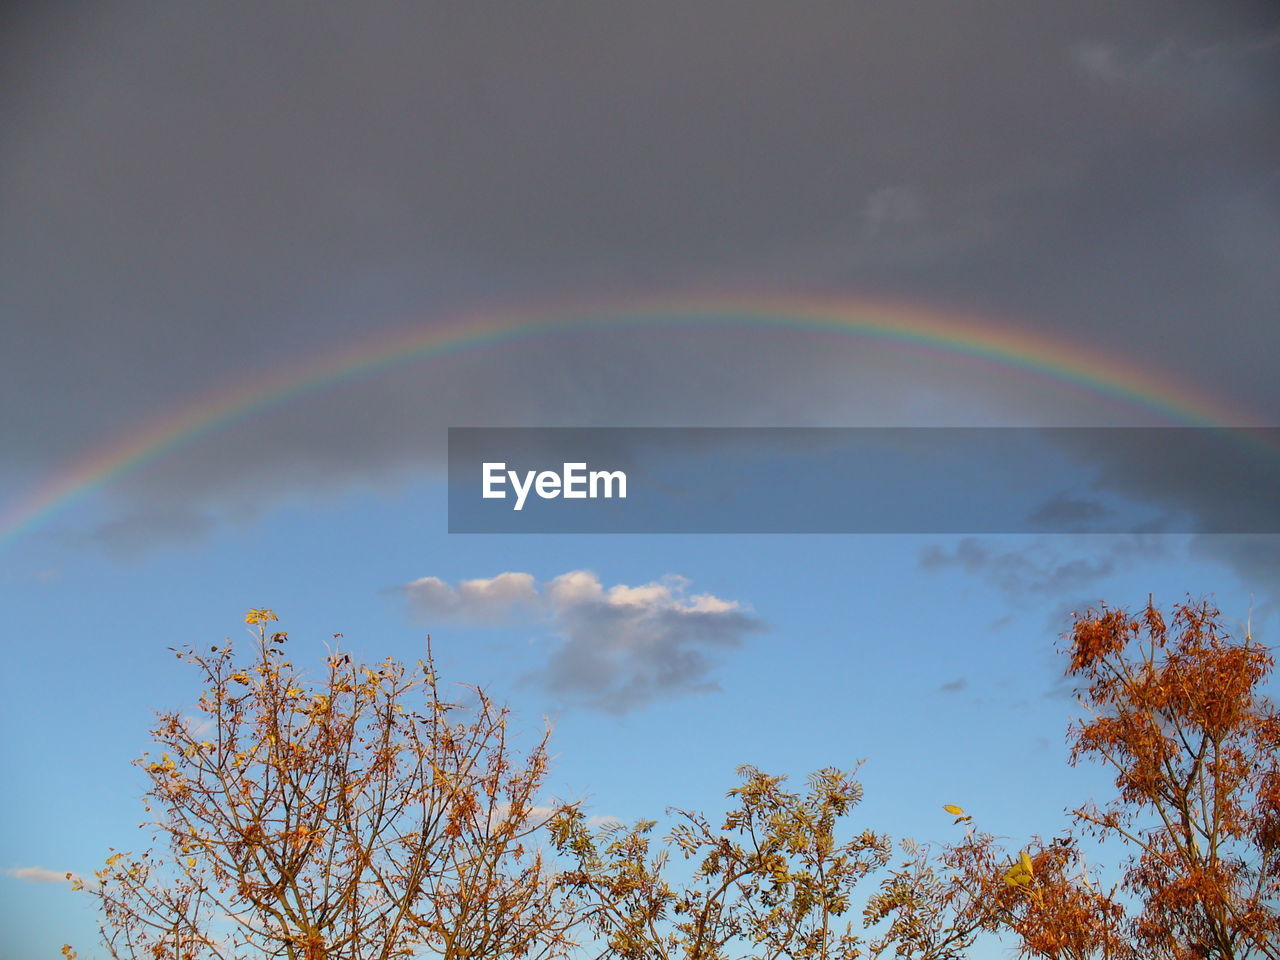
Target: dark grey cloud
<point x="1254" y="559"/>
<point x="195" y="194"/>
<point x="1221" y="481"/>
<point x="1258" y="556"/>
<point x="1065" y="512"/>
<point x="1039" y="567"/>
<point x="617" y="649"/>
<point x="1071" y="574"/>
<point x="1065" y="572"/>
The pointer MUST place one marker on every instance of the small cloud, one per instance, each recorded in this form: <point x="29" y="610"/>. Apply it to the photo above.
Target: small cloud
<point x="1045" y="567"/>
<point x="539" y="814"/>
<point x="129" y="534"/>
<point x="197" y="726"/>
<point x="1098" y="61"/>
<point x="1104" y="62"/>
<point x="1062" y="689"/>
<point x="480" y="601"/>
<point x="954" y="686"/>
<point x="1069" y="514"/>
<point x="534" y="815"/>
<point x="891" y="208"/>
<point x="1216" y="73"/>
<point x="620" y="647"/>
<point x="41" y="875"/>
<point x="628" y="646"/>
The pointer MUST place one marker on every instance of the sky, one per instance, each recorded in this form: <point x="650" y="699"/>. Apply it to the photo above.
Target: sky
<point x="210" y="212"/>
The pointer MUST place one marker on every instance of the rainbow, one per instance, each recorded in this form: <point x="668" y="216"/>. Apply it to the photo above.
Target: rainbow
<point x="945" y="332"/>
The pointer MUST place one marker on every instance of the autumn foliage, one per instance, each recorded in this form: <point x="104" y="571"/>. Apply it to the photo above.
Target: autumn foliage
<point x="365" y="815"/>
<point x="361" y="815"/>
<point x="775" y="878"/>
<point x="1176" y="711"/>
<point x="1043" y="896"/>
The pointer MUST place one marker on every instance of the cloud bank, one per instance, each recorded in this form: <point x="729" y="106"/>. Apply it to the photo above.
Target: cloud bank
<point x="196" y="196"/>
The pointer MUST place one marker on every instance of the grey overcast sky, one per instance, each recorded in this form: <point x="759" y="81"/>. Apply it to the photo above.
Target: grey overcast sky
<point x="191" y="193"/>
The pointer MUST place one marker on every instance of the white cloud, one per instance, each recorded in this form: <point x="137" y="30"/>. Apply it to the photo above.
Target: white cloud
<point x="197" y="726"/>
<point x="620" y="647"/>
<point x="576" y="587"/>
<point x="41" y="875"/>
<point x="482" y="600"/>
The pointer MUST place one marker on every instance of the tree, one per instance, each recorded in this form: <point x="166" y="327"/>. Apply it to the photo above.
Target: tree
<point x="925" y="912"/>
<point x="1179" y="715"/>
<point x="773" y="881"/>
<point x="938" y="903"/>
<point x="360" y="815"/>
<point x="364" y="816"/>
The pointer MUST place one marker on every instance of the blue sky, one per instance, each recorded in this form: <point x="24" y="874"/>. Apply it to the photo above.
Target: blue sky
<point x="196" y="196"/>
<point x="942" y="680"/>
